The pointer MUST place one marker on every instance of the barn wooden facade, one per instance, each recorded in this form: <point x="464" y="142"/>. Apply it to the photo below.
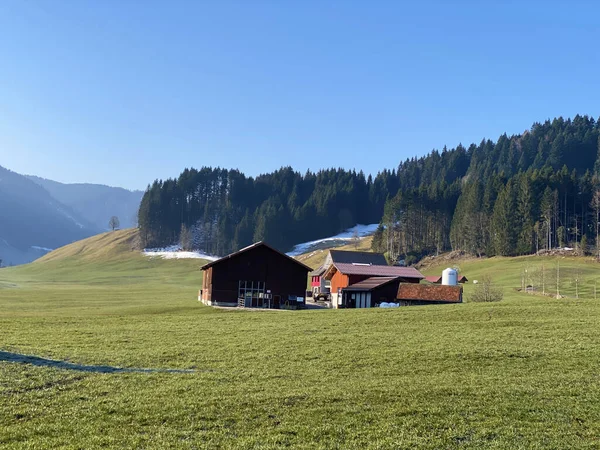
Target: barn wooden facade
<point x="257" y="276"/>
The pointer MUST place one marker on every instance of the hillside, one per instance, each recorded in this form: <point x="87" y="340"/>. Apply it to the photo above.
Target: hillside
<point x="95" y="202"/>
<point x="32" y="221"/>
<point x="108" y="259"/>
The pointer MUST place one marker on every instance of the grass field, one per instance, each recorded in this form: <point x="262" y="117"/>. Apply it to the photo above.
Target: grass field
<point x="521" y="373"/>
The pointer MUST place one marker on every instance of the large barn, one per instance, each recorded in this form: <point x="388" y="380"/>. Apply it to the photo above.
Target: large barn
<point x="257" y="276"/>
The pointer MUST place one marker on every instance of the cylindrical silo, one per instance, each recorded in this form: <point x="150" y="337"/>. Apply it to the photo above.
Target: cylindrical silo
<point x="450" y="277"/>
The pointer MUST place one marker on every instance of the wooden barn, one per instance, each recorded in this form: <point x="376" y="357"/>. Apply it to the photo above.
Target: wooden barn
<point x="257" y="276"/>
<point x="424" y="294"/>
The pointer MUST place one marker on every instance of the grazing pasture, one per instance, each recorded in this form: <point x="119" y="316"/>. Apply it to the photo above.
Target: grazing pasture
<point x="521" y="373"/>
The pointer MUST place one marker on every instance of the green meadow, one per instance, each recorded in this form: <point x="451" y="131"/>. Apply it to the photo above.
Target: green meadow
<point x="520" y="373"/>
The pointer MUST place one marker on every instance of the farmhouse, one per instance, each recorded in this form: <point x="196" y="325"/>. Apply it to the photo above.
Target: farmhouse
<point x="345" y="275"/>
<point x="257" y="276"/>
<point x="318" y="282"/>
<point x="424" y="294"/>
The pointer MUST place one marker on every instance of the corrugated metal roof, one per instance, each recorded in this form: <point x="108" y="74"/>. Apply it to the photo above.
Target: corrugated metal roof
<point x="349" y="257"/>
<point x="370" y="283"/>
<point x="378" y="270"/>
<point x="250" y="247"/>
<point x="429" y="293"/>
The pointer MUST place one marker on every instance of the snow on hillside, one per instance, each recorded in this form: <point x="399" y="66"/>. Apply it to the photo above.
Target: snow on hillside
<point x="334" y="241"/>
<point x="175" y="252"/>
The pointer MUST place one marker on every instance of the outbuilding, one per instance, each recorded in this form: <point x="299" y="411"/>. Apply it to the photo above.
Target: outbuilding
<point x="257" y="276"/>
<point x="370" y="292"/>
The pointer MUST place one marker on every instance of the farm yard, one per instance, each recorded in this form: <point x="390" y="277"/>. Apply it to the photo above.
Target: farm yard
<point x="520" y="373"/>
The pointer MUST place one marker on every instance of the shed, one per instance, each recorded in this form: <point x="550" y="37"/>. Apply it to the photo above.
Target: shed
<point x="257" y="276"/>
<point x="370" y="292"/>
<point x="424" y="294"/>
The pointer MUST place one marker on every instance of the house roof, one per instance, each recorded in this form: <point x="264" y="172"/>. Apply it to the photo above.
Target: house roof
<point x="349" y="257"/>
<point x="433" y="278"/>
<point x="251" y="247"/>
<point x="318" y="272"/>
<point x="375" y="270"/>
<point x="429" y="293"/>
<point x="370" y="283"/>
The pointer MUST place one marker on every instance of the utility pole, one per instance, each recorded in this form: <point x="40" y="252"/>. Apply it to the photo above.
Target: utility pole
<point x="543" y="280"/>
<point x="557" y="279"/>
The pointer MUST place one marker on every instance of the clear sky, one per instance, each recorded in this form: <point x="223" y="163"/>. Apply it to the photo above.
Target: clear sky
<point x="122" y="92"/>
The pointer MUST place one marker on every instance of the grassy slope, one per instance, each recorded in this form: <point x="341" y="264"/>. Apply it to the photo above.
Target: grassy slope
<point x="520" y="373"/>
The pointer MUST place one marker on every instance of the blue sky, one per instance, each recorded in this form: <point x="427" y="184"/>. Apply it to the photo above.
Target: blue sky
<point x="123" y="92"/>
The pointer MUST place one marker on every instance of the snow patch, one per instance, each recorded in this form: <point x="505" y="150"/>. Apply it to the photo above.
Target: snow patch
<point x="341" y="239"/>
<point x="42" y="249"/>
<point x="175" y="252"/>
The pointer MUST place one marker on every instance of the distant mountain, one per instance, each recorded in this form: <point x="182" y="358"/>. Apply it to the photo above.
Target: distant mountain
<point x="95" y="202"/>
<point x="33" y="222"/>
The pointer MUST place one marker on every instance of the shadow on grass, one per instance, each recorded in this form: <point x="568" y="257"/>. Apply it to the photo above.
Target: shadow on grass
<point x="37" y="361"/>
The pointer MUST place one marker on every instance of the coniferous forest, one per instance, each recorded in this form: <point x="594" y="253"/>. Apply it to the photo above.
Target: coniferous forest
<point x="524" y="193"/>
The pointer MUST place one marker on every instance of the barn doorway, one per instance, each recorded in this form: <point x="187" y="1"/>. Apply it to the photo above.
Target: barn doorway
<point x="253" y="293"/>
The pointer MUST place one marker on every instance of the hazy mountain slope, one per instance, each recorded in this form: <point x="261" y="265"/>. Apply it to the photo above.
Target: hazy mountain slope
<point x="95" y="202"/>
<point x="32" y="220"/>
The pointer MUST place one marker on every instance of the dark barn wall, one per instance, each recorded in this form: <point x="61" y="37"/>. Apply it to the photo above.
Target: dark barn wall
<point x="386" y="293"/>
<point x="282" y="276"/>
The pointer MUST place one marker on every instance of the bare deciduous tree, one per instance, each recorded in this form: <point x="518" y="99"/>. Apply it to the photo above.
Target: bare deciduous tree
<point x="487" y="291"/>
<point x="355" y="239"/>
<point x="114" y="223"/>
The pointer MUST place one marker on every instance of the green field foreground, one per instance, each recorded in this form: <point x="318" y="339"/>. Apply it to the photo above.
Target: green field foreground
<point x="521" y="373"/>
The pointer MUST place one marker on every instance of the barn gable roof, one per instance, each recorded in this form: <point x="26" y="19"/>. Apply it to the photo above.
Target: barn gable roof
<point x="251" y="247"/>
<point x="430" y="293"/>
<point x="374" y="270"/>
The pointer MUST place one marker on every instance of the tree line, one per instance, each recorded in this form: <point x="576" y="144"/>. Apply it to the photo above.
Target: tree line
<point x="520" y="194"/>
<point x="538" y="190"/>
<point x="220" y="211"/>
